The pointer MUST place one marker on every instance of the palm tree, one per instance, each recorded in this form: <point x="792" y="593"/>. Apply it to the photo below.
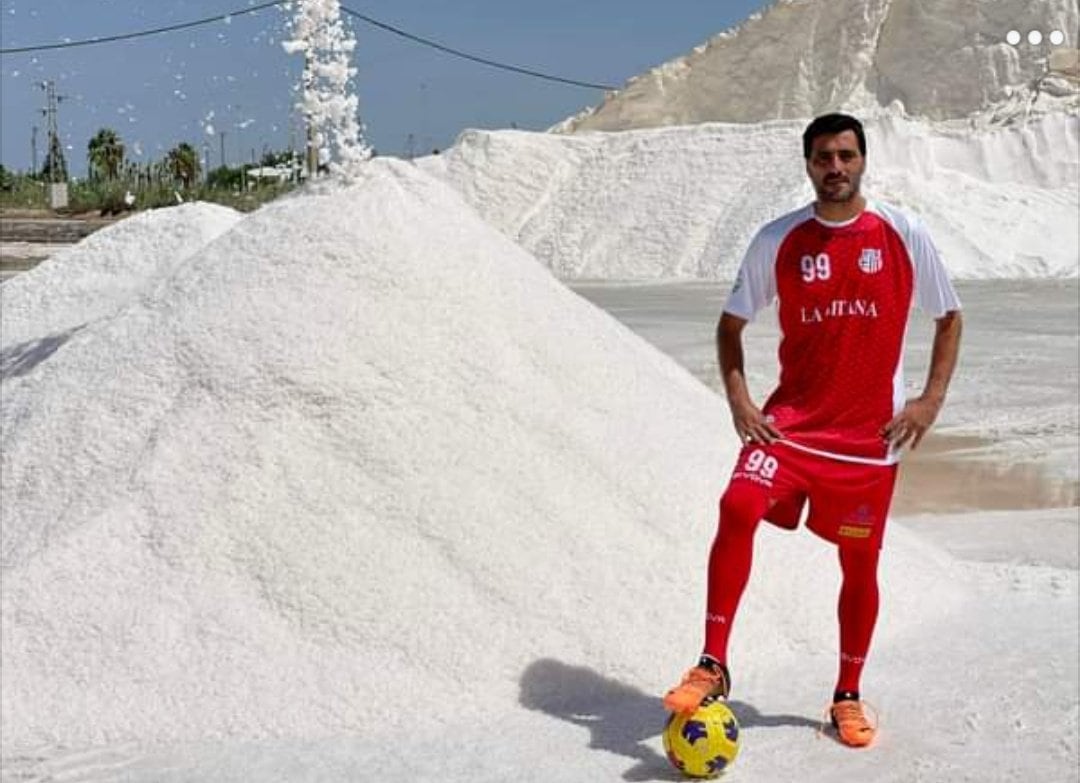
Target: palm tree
<point x="182" y="162"/>
<point x="105" y="153"/>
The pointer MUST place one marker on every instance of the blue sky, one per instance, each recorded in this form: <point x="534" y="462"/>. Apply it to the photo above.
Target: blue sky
<point x="234" y="77"/>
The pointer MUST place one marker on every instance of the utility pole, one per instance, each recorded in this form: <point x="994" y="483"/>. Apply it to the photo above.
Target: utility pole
<point x="221" y="136"/>
<point x="57" y="168"/>
<point x="33" y="151"/>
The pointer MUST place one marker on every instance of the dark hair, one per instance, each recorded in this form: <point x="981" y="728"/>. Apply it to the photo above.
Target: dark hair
<point x="829" y="125"/>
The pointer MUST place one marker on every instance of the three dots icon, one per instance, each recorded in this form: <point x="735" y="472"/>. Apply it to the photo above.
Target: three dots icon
<point x="1035" y="37"/>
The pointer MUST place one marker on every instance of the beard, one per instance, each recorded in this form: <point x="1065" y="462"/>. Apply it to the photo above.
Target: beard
<point x="838" y="190"/>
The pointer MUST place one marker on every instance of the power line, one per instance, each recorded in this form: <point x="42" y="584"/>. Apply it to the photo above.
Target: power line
<point x="252" y="9"/>
<point x="474" y="58"/>
<point x="140" y="34"/>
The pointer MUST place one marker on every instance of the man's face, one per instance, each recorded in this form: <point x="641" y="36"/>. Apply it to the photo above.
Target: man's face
<point x="836" y="166"/>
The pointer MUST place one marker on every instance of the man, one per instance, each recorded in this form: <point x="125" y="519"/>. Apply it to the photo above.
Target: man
<point x="845" y="272"/>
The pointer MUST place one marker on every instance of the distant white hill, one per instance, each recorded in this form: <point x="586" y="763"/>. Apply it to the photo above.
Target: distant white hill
<point x="939" y="59"/>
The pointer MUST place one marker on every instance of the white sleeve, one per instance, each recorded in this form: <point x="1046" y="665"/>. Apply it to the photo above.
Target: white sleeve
<point x="934" y="292"/>
<point x="755" y="284"/>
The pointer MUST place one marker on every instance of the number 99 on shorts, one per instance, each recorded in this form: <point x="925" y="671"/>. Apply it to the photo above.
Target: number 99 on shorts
<point x="759" y="465"/>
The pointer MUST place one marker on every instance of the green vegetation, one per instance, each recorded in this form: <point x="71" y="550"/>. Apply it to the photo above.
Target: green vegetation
<point x="116" y="185"/>
<point x="105" y="154"/>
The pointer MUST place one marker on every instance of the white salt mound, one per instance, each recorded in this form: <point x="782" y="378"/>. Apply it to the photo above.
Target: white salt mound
<point x="939" y="59"/>
<point x="359" y="430"/>
<point x="684" y="202"/>
<point x="103" y="273"/>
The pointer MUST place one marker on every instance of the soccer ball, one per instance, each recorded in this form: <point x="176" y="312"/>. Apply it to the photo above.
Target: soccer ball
<point x="703" y="743"/>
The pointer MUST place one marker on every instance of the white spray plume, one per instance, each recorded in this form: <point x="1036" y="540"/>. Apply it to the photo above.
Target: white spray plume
<point x="327" y="100"/>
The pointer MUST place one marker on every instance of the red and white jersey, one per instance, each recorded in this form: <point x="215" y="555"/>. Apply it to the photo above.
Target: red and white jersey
<point x="845" y="292"/>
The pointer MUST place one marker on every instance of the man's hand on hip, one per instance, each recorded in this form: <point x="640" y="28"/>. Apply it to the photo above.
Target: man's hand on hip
<point x="910" y="424"/>
<point x="751" y="425"/>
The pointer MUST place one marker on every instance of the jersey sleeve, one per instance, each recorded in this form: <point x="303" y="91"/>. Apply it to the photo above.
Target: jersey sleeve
<point x="934" y="292"/>
<point x="755" y="284"/>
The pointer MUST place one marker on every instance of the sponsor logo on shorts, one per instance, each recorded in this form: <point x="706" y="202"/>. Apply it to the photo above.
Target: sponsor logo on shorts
<point x="754" y="477"/>
<point x="716" y="618"/>
<point x="851" y="531"/>
<point x="857" y="524"/>
<point x="861" y="516"/>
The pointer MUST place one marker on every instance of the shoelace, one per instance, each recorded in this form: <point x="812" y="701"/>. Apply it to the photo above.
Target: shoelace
<point x="849" y="710"/>
<point x="711" y="679"/>
<point x="701" y="675"/>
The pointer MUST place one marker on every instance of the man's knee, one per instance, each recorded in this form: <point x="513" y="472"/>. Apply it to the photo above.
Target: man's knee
<point x="741" y="507"/>
<point x="859" y="563"/>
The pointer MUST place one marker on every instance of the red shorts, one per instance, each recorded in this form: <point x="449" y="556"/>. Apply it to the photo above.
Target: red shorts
<point x="849" y="501"/>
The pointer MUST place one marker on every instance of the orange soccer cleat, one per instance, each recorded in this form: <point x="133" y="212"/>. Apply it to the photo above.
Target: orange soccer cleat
<point x="708" y="678"/>
<point x="849" y="719"/>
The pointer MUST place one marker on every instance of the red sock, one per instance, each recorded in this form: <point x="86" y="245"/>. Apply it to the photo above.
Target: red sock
<point x="857" y="610"/>
<point x="729" y="565"/>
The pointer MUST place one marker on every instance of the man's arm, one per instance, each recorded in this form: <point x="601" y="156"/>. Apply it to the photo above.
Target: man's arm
<point x="750" y="423"/>
<point x="919" y="414"/>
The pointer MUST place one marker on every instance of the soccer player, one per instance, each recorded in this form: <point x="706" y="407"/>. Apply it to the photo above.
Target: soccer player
<point x="845" y="272"/>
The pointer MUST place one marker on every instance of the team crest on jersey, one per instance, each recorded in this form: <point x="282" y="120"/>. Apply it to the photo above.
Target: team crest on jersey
<point x="870" y="261"/>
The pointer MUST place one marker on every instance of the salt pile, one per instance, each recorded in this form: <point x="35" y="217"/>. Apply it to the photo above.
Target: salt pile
<point x="684" y="202"/>
<point x="937" y="59"/>
<point x="108" y="269"/>
<point x="358" y="431"/>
